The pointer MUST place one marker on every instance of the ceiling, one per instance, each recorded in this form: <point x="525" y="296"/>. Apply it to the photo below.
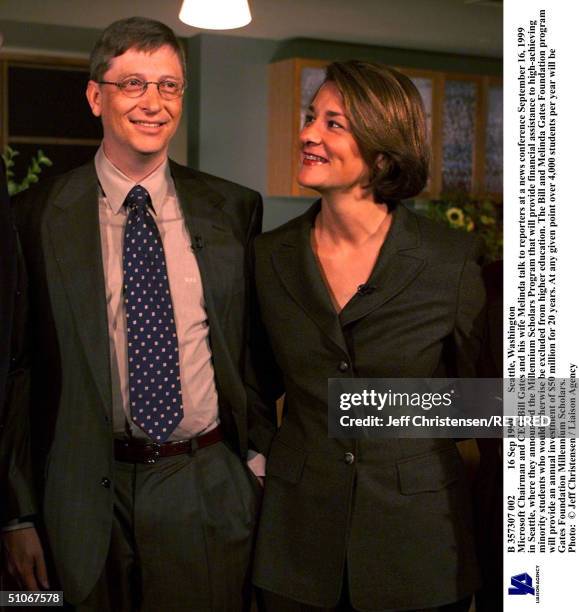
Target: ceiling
<point x="470" y="27"/>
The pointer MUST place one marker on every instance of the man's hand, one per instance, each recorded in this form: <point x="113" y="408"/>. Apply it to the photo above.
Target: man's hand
<point x="25" y="558"/>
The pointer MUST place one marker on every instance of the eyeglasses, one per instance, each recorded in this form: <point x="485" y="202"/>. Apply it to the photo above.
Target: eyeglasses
<point x="135" y="88"/>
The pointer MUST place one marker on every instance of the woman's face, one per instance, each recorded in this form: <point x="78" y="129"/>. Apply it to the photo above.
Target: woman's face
<point x="330" y="158"/>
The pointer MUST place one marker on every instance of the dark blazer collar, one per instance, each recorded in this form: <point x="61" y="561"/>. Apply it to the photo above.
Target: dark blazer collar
<point x="73" y="228"/>
<point x="397" y="265"/>
<point x="404" y="234"/>
<point x="296" y="266"/>
<point x="211" y="237"/>
<point x="84" y="180"/>
<point x="190" y="187"/>
<point x="76" y="188"/>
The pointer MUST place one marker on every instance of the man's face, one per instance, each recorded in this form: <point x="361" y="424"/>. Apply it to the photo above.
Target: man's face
<point x="137" y="128"/>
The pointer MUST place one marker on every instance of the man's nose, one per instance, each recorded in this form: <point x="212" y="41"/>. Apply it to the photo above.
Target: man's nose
<point x="151" y="100"/>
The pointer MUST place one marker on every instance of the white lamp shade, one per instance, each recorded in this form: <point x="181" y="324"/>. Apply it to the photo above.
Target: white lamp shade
<point x="215" y="14"/>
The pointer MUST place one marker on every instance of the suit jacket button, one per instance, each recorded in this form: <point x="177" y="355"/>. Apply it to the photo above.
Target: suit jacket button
<point x="106" y="483"/>
<point x="349" y="458"/>
<point x="343" y="366"/>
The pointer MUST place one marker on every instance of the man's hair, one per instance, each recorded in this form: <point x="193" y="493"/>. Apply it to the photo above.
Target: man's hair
<point x="387" y="120"/>
<point x="137" y="33"/>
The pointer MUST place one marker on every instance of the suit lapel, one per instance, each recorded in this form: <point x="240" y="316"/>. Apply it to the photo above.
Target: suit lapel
<point x="298" y="271"/>
<point x="211" y="238"/>
<point x="75" y="237"/>
<point x="397" y="266"/>
<point x="219" y="255"/>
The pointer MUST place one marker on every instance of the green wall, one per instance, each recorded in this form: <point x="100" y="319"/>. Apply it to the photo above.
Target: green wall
<point x="49" y="38"/>
<point x="228" y="115"/>
<point x="332" y="51"/>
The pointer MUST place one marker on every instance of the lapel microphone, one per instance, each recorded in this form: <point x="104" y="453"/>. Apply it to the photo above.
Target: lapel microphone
<point x="366" y="289"/>
<point x="197" y="243"/>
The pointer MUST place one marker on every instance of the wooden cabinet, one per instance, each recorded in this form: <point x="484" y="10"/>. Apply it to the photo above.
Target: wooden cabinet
<point x="464" y="115"/>
<point x="43" y="106"/>
<point x="290" y="84"/>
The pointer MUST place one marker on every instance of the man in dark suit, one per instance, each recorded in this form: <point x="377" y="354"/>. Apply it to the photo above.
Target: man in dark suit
<point x="8" y="276"/>
<point x="7" y="280"/>
<point x="140" y="414"/>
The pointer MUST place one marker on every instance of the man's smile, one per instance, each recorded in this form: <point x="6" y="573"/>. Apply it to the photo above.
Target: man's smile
<point x="151" y="124"/>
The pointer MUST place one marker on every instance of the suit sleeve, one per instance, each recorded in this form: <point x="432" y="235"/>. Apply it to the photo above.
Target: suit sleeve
<point x="470" y="316"/>
<point x="262" y="376"/>
<point x="16" y="490"/>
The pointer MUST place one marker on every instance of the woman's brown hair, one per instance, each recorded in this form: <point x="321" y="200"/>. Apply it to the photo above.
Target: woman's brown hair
<point x="387" y="120"/>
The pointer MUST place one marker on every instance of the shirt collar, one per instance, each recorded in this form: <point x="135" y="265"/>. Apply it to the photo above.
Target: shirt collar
<point x="115" y="184"/>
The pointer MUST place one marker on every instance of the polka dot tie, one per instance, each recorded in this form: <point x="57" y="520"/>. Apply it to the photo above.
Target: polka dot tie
<point x="152" y="348"/>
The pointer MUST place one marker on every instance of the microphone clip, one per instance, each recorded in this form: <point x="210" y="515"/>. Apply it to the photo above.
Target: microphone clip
<point x="197" y="243"/>
<point x="366" y="289"/>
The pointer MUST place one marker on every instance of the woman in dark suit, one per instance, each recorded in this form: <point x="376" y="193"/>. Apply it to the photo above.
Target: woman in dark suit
<point x="359" y="286"/>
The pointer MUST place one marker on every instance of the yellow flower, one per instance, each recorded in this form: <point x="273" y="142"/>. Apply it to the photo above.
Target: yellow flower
<point x="487" y="220"/>
<point x="469" y="225"/>
<point x="455" y="216"/>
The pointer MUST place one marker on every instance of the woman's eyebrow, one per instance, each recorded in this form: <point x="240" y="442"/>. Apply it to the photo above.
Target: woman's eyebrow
<point x="329" y="113"/>
<point x="335" y="114"/>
